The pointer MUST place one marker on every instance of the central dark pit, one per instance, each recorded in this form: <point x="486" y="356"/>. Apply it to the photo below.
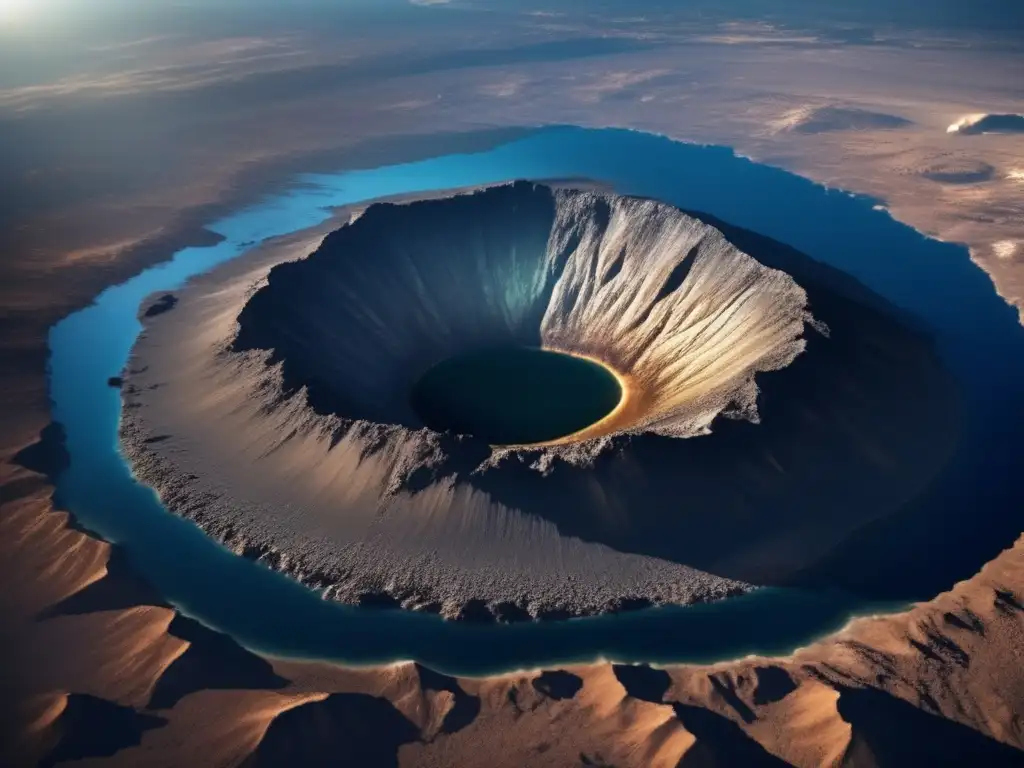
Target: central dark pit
<point x="515" y="395"/>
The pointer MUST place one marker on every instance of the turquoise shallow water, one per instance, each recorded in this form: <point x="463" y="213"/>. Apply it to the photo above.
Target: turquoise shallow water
<point x="973" y="512"/>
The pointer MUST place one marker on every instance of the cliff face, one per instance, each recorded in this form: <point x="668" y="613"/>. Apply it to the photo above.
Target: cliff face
<point x="279" y="391"/>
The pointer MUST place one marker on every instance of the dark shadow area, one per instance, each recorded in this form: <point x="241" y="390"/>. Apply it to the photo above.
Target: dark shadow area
<point x="558" y="684"/>
<point x="894" y="732"/>
<point x="122" y="587"/>
<point x="345" y="729"/>
<point x="643" y="682"/>
<point x="380" y="600"/>
<point x="462" y="454"/>
<point x="678" y="275"/>
<point x="966" y="620"/>
<point x="211" y="662"/>
<point x="773" y="684"/>
<point x="163" y="304"/>
<point x="1007" y="602"/>
<point x="48" y="456"/>
<point x="93" y="727"/>
<point x="724" y="687"/>
<point x="994" y="124"/>
<point x="463" y="711"/>
<point x="720" y="741"/>
<point x="23" y="487"/>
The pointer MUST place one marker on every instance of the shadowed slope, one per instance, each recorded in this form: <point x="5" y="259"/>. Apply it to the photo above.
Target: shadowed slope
<point x="464" y="708"/>
<point x="92" y="727"/>
<point x="212" y="660"/>
<point x="348" y="325"/>
<point x="48" y="456"/>
<point x="643" y="682"/>
<point x="720" y="742"/>
<point x="558" y="684"/>
<point x="121" y="588"/>
<point x="888" y="731"/>
<point x="343" y="729"/>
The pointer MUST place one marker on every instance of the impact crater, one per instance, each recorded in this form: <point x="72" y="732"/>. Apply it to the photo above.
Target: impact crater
<point x="537" y="401"/>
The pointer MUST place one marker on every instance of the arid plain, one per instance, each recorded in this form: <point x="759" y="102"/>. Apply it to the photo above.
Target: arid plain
<point x="121" y="162"/>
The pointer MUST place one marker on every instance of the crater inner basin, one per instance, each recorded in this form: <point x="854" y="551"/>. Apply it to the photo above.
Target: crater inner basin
<point x="516" y="395"/>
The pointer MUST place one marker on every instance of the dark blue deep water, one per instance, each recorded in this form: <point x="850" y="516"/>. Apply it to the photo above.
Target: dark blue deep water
<point x="515" y="395"/>
<point x="977" y="335"/>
